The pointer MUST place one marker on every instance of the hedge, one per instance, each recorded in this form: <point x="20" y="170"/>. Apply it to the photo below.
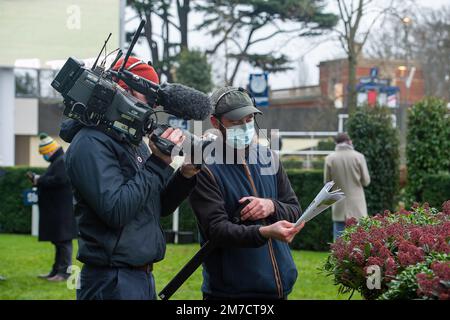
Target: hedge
<point x="374" y="136"/>
<point x="436" y="189"/>
<point x="16" y="218"/>
<point x="300" y="164"/>
<point x="428" y="146"/>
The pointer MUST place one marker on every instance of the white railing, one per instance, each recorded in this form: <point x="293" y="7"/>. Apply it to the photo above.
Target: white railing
<point x="307" y="135"/>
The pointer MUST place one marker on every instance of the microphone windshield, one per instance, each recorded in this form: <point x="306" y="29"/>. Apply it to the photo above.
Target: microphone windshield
<point x="184" y="102"/>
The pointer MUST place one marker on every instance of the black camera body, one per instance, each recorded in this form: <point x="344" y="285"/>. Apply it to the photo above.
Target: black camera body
<point x="94" y="99"/>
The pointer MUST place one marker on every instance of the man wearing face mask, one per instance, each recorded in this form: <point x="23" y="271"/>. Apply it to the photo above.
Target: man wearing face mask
<point x="56" y="218"/>
<point x="253" y="259"/>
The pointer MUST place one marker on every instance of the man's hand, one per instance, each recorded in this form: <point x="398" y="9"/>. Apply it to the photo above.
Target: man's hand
<point x="281" y="230"/>
<point x="257" y="209"/>
<point x="174" y="135"/>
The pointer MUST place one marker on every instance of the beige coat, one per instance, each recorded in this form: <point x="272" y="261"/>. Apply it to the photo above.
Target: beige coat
<point x="348" y="169"/>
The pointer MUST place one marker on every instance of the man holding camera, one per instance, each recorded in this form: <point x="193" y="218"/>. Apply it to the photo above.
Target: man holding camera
<point x="252" y="259"/>
<point x="121" y="191"/>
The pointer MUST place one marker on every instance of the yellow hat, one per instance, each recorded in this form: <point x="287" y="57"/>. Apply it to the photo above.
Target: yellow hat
<point x="47" y="144"/>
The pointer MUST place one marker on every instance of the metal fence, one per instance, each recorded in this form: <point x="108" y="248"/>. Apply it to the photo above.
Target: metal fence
<point x="310" y="139"/>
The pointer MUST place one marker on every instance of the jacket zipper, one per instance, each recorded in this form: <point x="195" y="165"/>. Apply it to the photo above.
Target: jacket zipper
<point x="135" y="154"/>
<point x="115" y="246"/>
<point x="273" y="259"/>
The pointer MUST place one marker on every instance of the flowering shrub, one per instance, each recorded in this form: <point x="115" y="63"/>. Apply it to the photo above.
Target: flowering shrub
<point x="409" y="248"/>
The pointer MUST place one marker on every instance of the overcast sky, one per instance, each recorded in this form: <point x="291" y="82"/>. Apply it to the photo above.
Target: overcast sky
<point x="304" y="53"/>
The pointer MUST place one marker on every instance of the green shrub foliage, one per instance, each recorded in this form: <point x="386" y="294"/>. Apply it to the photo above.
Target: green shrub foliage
<point x="436" y="188"/>
<point x="14" y="216"/>
<point x="374" y="136"/>
<point x="428" y="144"/>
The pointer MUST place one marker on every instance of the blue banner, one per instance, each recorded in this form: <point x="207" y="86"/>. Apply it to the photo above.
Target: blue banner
<point x="30" y="197"/>
<point x="259" y="88"/>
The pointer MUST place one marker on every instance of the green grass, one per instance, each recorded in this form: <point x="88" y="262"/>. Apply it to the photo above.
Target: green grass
<point x="22" y="258"/>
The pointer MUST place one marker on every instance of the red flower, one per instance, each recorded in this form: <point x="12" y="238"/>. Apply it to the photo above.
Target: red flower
<point x="432" y="285"/>
<point x="351" y="222"/>
<point x="390" y="267"/>
<point x="446" y="207"/>
<point x="409" y="254"/>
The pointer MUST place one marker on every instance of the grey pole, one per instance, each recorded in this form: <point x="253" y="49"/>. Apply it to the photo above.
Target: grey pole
<point x="7" y="131"/>
<point x="122" y="6"/>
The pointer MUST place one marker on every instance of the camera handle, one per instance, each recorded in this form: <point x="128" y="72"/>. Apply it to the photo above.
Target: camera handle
<point x="164" y="145"/>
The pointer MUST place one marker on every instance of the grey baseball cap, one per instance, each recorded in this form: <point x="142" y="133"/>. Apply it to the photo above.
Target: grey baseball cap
<point x="232" y="103"/>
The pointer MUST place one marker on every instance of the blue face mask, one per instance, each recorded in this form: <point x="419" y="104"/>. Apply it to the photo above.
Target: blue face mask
<point x="46" y="157"/>
<point x="241" y="136"/>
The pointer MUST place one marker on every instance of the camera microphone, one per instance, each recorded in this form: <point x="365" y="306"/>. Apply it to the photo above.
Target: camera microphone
<point x="184" y="102"/>
<point x="176" y="99"/>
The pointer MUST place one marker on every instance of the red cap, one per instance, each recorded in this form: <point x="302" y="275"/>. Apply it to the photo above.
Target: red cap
<point x="139" y="68"/>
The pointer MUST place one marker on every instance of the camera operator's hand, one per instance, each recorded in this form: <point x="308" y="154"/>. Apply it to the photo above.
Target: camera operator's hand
<point x="174" y="135"/>
<point x="281" y="230"/>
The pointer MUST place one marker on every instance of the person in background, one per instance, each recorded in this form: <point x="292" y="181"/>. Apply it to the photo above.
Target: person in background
<point x="56" y="217"/>
<point x="348" y="169"/>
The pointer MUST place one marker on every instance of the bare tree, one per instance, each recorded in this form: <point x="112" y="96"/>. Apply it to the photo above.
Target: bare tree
<point x="426" y="39"/>
<point x="163" y="49"/>
<point x="431" y="47"/>
<point x="353" y="34"/>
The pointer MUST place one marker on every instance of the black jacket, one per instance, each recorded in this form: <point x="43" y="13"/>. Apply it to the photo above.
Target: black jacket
<point x="56" y="219"/>
<point x="121" y="191"/>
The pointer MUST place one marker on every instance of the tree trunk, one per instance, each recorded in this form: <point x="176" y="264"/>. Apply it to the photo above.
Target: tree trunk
<point x="148" y="30"/>
<point x="239" y="60"/>
<point x="165" y="61"/>
<point x="352" y="98"/>
<point x="183" y="12"/>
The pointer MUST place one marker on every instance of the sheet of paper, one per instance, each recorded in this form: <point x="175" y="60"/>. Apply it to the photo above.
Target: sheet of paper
<point x="321" y="202"/>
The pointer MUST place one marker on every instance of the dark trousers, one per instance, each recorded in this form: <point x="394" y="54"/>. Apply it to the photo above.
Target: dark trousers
<point x="211" y="297"/>
<point x="110" y="283"/>
<point x="63" y="257"/>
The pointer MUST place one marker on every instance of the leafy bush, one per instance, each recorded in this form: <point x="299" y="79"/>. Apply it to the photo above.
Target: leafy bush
<point x="318" y="233"/>
<point x="428" y="147"/>
<point x="374" y="136"/>
<point x="395" y="242"/>
<point x="296" y="164"/>
<point x="326" y="145"/>
<point x="14" y="216"/>
<point x="194" y="70"/>
<point x="436" y="188"/>
<point x="428" y="280"/>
